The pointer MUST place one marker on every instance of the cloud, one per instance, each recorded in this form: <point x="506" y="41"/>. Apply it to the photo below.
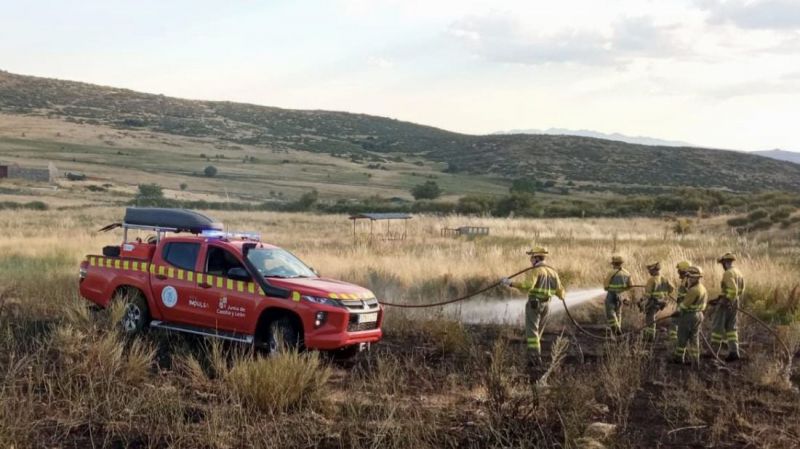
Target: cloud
<point x="503" y="38"/>
<point x="759" y="14"/>
<point x="380" y="62"/>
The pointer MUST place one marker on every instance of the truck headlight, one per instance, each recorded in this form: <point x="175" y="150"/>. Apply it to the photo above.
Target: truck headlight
<point x="321" y="300"/>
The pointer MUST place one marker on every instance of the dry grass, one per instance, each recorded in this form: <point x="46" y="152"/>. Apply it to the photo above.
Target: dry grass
<point x="68" y="379"/>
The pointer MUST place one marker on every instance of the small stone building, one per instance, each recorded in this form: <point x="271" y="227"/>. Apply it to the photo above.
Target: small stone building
<point x="39" y="174"/>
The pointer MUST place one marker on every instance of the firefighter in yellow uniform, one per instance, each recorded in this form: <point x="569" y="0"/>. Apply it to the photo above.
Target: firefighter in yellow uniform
<point x="725" y="317"/>
<point x="656" y="291"/>
<point x="618" y="281"/>
<point x="542" y="284"/>
<point x="690" y="313"/>
<point x="682" y="266"/>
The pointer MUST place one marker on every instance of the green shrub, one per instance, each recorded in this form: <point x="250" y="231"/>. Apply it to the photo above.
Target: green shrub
<point x="757" y="214"/>
<point x="781" y="213"/>
<point x="430" y="190"/>
<point x="210" y="171"/>
<point x="738" y="221"/>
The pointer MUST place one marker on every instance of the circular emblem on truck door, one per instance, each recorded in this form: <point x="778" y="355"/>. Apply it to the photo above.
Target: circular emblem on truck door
<point x="169" y="296"/>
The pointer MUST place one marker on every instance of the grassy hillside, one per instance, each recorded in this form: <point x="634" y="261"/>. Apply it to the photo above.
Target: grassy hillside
<point x="590" y="163"/>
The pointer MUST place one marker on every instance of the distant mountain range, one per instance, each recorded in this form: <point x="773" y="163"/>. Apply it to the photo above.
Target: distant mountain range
<point x="639" y="140"/>
<point x="781" y="155"/>
<point x="589" y="162"/>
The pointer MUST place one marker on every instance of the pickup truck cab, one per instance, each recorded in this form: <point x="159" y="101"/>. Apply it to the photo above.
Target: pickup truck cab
<point x="193" y="277"/>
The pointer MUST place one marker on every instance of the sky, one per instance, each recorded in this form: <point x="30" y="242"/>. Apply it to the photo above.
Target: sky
<point x="722" y="74"/>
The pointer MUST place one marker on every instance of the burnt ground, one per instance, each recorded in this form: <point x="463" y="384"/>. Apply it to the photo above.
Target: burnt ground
<point x="753" y="402"/>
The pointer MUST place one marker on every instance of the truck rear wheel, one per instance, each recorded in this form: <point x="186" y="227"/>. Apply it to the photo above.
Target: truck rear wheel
<point x="135" y="314"/>
<point x="283" y="334"/>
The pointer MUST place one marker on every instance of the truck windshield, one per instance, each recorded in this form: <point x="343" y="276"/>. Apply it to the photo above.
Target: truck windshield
<point x="278" y="263"/>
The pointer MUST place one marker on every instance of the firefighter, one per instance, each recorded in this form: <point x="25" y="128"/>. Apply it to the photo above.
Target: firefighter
<point x="690" y="318"/>
<point x="542" y="283"/>
<point x="682" y="266"/>
<point x="725" y="317"/>
<point x="618" y="280"/>
<point x="656" y="291"/>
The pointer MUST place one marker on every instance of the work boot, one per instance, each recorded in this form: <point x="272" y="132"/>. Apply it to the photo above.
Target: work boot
<point x="732" y="357"/>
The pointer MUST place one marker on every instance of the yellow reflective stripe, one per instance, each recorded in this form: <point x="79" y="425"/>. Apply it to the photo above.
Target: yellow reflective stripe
<point x="220" y="281"/>
<point x="180" y="274"/>
<point x="333" y="295"/>
<point x="251" y="287"/>
<point x="239" y="286"/>
<point x="229" y="284"/>
<point x="125" y="265"/>
<point x="170" y="272"/>
<point x="91" y="261"/>
<point x="200" y="278"/>
<point x="296" y="296"/>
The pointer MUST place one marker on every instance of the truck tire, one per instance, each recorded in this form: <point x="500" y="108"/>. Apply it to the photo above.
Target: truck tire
<point x="136" y="315"/>
<point x="283" y="334"/>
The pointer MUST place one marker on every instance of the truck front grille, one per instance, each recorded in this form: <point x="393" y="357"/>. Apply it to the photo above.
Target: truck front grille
<point x="360" y="305"/>
<point x="359" y="327"/>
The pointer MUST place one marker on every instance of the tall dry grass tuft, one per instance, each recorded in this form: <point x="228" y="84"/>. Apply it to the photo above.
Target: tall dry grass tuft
<point x="288" y="381"/>
<point x="620" y="375"/>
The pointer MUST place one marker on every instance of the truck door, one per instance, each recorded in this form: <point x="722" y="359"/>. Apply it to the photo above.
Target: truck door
<point x="231" y="301"/>
<point x="173" y="279"/>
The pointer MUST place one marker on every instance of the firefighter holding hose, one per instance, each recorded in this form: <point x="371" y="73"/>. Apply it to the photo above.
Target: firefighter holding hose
<point x="682" y="266"/>
<point x="656" y="291"/>
<point x="725" y="317"/>
<point x="618" y="281"/>
<point x="690" y="318"/>
<point x="542" y="283"/>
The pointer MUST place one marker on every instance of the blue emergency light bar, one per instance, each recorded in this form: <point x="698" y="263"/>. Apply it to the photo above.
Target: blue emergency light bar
<point x="215" y="234"/>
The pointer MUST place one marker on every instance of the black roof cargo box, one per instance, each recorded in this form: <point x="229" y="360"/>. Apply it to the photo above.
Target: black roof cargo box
<point x="178" y="219"/>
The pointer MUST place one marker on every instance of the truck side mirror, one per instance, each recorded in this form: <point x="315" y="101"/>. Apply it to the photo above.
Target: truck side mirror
<point x="239" y="274"/>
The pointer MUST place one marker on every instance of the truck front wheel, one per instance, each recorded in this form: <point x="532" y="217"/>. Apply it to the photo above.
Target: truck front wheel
<point x="284" y="334"/>
<point x="135" y="314"/>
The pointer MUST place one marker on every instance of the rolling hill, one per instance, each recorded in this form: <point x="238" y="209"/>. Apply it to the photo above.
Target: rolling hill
<point x="583" y="161"/>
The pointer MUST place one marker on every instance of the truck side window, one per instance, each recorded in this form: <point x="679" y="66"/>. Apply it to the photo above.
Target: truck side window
<point x="219" y="261"/>
<point x="181" y="254"/>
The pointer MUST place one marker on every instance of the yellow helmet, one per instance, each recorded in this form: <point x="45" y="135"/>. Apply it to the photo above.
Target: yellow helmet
<point x="683" y="265"/>
<point x="617" y="259"/>
<point x="694" y="272"/>
<point x="537" y="251"/>
<point x="655" y="265"/>
<point x="726" y="256"/>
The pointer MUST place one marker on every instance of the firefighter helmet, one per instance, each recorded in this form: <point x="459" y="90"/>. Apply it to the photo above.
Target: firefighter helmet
<point x="726" y="256"/>
<point x="537" y="251"/>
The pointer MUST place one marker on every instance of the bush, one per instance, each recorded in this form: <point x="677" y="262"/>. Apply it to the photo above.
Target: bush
<point x="184" y="186"/>
<point x="781" y="213"/>
<point x="286" y="382"/>
<point x="210" y="171"/>
<point x="738" y="221"/>
<point x="476" y="204"/>
<point x="518" y="203"/>
<point x="428" y="191"/>
<point x="757" y="214"/>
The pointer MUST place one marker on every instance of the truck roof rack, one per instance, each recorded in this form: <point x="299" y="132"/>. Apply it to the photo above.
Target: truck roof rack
<point x="169" y="220"/>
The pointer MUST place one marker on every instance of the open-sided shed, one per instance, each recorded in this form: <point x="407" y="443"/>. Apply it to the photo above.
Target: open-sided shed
<point x="388" y="217"/>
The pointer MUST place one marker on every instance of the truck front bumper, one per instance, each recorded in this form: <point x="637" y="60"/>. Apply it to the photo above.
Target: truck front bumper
<point x="342" y="340"/>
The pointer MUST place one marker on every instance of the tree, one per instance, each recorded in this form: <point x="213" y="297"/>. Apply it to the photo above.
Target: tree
<point x="525" y="185"/>
<point x="184" y="186"/>
<point x="308" y="200"/>
<point x="149" y="195"/>
<point x="518" y="203"/>
<point x="427" y="191"/>
<point x="210" y="171"/>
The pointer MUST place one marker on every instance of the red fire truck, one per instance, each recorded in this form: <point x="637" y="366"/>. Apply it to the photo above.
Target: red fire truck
<point x="191" y="276"/>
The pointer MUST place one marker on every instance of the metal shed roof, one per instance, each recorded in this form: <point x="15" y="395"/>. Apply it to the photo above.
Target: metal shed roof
<point x="382" y="216"/>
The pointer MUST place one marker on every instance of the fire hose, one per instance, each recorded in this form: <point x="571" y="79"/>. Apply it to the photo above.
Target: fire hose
<point x="460" y="298"/>
<point x="575" y="322"/>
